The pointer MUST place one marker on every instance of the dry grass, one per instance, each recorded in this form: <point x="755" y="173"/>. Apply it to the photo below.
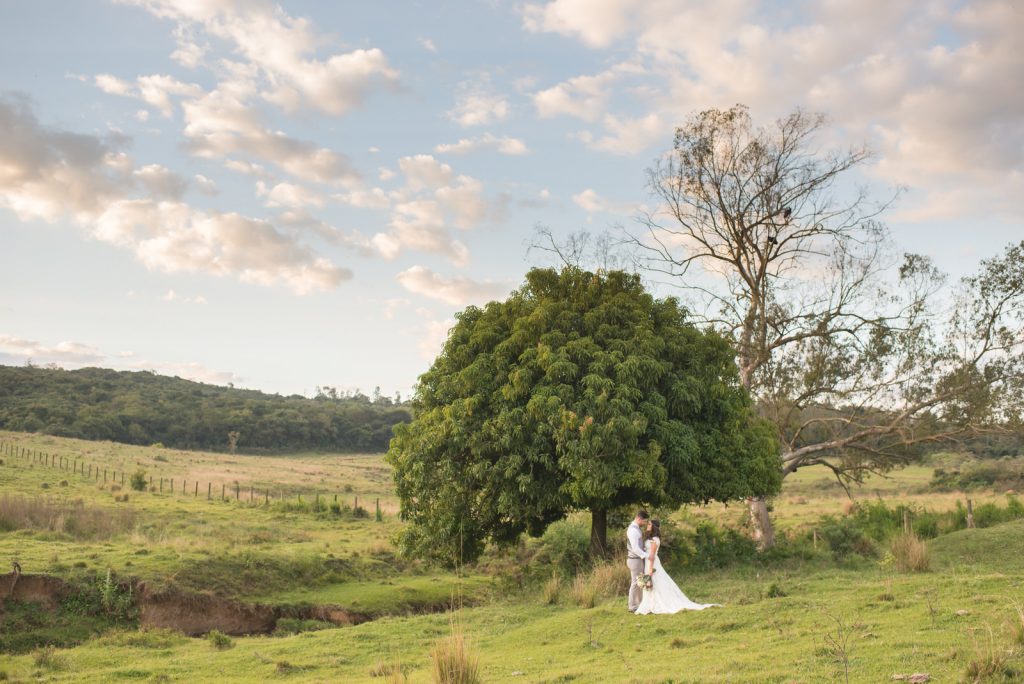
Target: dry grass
<point x="910" y="553"/>
<point x="454" y="661"/>
<point x="1017" y="627"/>
<point x="552" y="590"/>
<point x="602" y="582"/>
<point x="73" y="518"/>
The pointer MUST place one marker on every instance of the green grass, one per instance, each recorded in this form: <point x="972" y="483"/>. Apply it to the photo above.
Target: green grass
<point x="774" y="626"/>
<point x="933" y="622"/>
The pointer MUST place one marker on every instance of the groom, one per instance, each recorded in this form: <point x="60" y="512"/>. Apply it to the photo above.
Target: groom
<point x="635" y="556"/>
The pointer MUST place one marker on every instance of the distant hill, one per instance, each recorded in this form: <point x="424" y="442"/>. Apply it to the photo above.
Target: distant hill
<point x="145" y="408"/>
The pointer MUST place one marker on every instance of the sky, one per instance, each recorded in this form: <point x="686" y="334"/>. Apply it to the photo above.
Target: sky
<point x="298" y="194"/>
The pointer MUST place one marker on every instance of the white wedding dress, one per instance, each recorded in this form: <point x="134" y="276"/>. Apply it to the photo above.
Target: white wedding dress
<point x="664" y="596"/>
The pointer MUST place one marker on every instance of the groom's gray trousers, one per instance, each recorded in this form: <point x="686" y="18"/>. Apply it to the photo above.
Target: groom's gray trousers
<point x="636" y="568"/>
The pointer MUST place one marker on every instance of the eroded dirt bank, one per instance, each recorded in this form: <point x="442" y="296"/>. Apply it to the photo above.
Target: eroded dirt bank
<point x="190" y="613"/>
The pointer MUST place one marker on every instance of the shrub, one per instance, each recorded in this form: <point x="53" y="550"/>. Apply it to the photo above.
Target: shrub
<point x="715" y="547"/>
<point x="139" y="482"/>
<point x="219" y="640"/>
<point x="565" y="545"/>
<point x="453" y="661"/>
<point x="910" y="553"/>
<point x="845" y="538"/>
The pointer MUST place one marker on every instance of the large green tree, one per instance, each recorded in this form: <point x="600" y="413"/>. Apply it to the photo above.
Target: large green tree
<point x="581" y="391"/>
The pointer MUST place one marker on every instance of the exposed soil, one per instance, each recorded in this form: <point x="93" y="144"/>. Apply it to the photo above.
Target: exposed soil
<point x="190" y="613"/>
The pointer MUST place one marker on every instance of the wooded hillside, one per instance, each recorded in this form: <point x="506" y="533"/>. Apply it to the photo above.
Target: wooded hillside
<point x="143" y="408"/>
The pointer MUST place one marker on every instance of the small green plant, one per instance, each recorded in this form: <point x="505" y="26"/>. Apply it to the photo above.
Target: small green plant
<point x="139" y="481"/>
<point x="775" y="590"/>
<point x="219" y="640"/>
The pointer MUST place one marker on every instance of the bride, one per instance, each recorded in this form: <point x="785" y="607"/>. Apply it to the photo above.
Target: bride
<point x="663" y="596"/>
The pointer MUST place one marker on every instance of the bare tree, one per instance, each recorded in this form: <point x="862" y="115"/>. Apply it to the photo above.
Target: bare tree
<point x="839" y="341"/>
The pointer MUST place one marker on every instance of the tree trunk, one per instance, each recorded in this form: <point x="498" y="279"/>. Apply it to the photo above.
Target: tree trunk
<point x="764" y="533"/>
<point x="598" y="533"/>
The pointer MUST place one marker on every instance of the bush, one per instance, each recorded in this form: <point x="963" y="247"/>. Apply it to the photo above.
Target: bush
<point x="139" y="482"/>
<point x="845" y="537"/>
<point x="910" y="553"/>
<point x="715" y="547"/>
<point x="565" y="545"/>
<point x="219" y="640"/>
<point x="454" y="662"/>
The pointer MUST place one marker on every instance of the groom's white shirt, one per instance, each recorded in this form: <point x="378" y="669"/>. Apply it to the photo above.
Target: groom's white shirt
<point x="634" y="541"/>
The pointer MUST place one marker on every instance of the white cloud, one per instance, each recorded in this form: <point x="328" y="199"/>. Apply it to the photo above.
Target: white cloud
<point x="423" y="171"/>
<point x="62" y="352"/>
<point x="173" y="237"/>
<point x="365" y="198"/>
<point x="592" y="203"/>
<point x="596" y="22"/>
<point x="280" y="47"/>
<point x="929" y="89"/>
<point x="170" y="296"/>
<point x="47" y="173"/>
<point x="504" y="145"/>
<point x="205" y="185"/>
<point x="419" y="225"/>
<point x="220" y="124"/>
<point x="584" y="97"/>
<point x="457" y="291"/>
<point x="155" y="90"/>
<point x="427" y="44"/>
<point x="289" y="195"/>
<point x="478" y="104"/>
<point x="160" y="182"/>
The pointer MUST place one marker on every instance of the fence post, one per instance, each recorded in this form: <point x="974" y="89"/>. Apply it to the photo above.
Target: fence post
<point x="266" y="497"/>
<point x="222" y="486"/>
<point x="250" y="493"/>
<point x="906" y="522"/>
<point x="197" y="489"/>
<point x="380" y="517"/>
<point x="970" y="514"/>
<point x="208" y="486"/>
<point x="161" y="485"/>
<point x="236" y="492"/>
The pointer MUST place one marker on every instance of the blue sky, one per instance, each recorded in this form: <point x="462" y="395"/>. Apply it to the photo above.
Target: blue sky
<point x="285" y="195"/>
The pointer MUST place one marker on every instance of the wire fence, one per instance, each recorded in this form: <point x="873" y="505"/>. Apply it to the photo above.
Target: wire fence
<point x="249" y="494"/>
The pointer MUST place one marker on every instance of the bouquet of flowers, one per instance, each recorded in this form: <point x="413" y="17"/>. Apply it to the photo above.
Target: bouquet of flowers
<point x="644" y="581"/>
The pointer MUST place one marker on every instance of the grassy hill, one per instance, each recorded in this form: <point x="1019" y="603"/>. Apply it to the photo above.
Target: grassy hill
<point x="802" y="617"/>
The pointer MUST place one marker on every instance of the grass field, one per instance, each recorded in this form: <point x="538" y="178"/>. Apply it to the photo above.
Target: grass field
<point x="802" y="619"/>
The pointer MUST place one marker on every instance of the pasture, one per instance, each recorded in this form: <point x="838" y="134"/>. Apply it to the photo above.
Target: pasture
<point x="803" y="617"/>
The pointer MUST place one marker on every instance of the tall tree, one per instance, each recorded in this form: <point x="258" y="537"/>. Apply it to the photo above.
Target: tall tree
<point x="579" y="392"/>
<point x="843" y="348"/>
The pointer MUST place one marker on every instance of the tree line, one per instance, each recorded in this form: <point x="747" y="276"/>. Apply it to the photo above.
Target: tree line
<point x="144" y="408"/>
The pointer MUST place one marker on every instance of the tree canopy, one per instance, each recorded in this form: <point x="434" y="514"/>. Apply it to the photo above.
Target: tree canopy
<point x="580" y="391"/>
<point x="143" y="408"/>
